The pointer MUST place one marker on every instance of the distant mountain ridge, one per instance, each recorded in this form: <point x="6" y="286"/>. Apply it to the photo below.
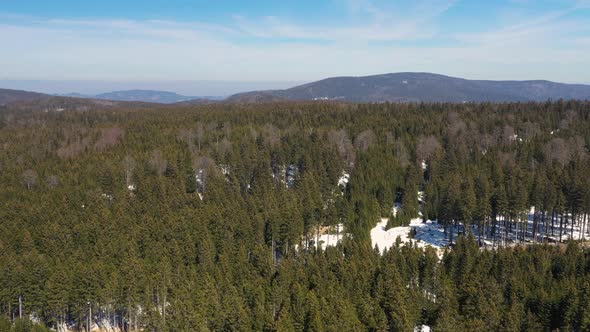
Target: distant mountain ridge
<point x="419" y="87"/>
<point x="153" y="96"/>
<point x="150" y="96"/>
<point x="27" y="100"/>
<point x="396" y="87"/>
<point x="131" y="97"/>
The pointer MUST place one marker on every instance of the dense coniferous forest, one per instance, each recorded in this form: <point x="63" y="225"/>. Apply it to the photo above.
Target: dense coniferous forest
<point x="207" y="218"/>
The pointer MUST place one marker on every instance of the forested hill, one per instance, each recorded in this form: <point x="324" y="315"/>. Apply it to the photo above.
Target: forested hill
<point x="38" y="102"/>
<point x="417" y="87"/>
<point x="8" y="96"/>
<point x="211" y="217"/>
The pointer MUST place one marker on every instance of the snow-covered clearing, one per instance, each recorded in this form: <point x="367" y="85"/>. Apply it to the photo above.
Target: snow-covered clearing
<point x="426" y="234"/>
<point x="431" y="234"/>
<point x="331" y="236"/>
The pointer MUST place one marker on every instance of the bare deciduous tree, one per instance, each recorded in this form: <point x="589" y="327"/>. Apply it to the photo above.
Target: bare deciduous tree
<point x="212" y="126"/>
<point x="158" y="162"/>
<point x="203" y="162"/>
<point x="344" y="145"/>
<point x="129" y="166"/>
<point x="203" y="167"/>
<point x="253" y="133"/>
<point x="29" y="178"/>
<point x="577" y="147"/>
<point x="530" y="130"/>
<point x="569" y="118"/>
<point x="364" y="140"/>
<point x="401" y="153"/>
<point x="227" y="129"/>
<point x="456" y="124"/>
<point x="73" y="148"/>
<point x="223" y="147"/>
<point x="427" y="147"/>
<point x="486" y="141"/>
<point x="507" y="159"/>
<point x="52" y="181"/>
<point x="200" y="134"/>
<point x="109" y="137"/>
<point x="187" y="136"/>
<point x="557" y="150"/>
<point x="508" y="134"/>
<point x="272" y="135"/>
<point x="389" y="138"/>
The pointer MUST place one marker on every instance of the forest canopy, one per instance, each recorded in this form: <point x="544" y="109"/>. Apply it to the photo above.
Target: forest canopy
<point x="208" y="218"/>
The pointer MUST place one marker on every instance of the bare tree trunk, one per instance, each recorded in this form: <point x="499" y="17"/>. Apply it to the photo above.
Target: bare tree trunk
<point x="493" y="230"/>
<point x="317" y="236"/>
<point x="165" y="303"/>
<point x="273" y="253"/>
<point x="526" y="226"/>
<point x="508" y="229"/>
<point x="479" y="231"/>
<point x="545" y="224"/>
<point x="535" y="217"/>
<point x="451" y="233"/>
<point x="552" y="222"/>
<point x="158" y="305"/>
<point x="89" y="317"/>
<point x="573" y="221"/>
<point x="582" y="235"/>
<point x="561" y="226"/>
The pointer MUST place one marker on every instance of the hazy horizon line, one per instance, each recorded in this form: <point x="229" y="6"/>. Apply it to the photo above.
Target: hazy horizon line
<point x="217" y="88"/>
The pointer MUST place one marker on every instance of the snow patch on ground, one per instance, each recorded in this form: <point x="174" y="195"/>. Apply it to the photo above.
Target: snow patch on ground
<point x="331" y="236"/>
<point x="286" y="175"/>
<point x="292" y="172"/>
<point x="395" y="208"/>
<point x="343" y="181"/>
<point x="385" y="239"/>
<point x="427" y="233"/>
<point x="225" y="170"/>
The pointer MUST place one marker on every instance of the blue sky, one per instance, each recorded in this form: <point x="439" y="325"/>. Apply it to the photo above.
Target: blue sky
<point x="292" y="41"/>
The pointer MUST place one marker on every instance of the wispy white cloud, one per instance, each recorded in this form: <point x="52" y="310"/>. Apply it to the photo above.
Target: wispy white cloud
<point x="382" y="24"/>
<point x="275" y="28"/>
<point x="542" y="31"/>
<point x="276" y="48"/>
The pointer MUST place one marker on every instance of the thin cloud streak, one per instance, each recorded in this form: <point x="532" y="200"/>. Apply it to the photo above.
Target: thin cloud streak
<point x="273" y="48"/>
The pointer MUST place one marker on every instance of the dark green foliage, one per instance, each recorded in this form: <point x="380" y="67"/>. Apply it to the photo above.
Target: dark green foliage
<point x="206" y="218"/>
